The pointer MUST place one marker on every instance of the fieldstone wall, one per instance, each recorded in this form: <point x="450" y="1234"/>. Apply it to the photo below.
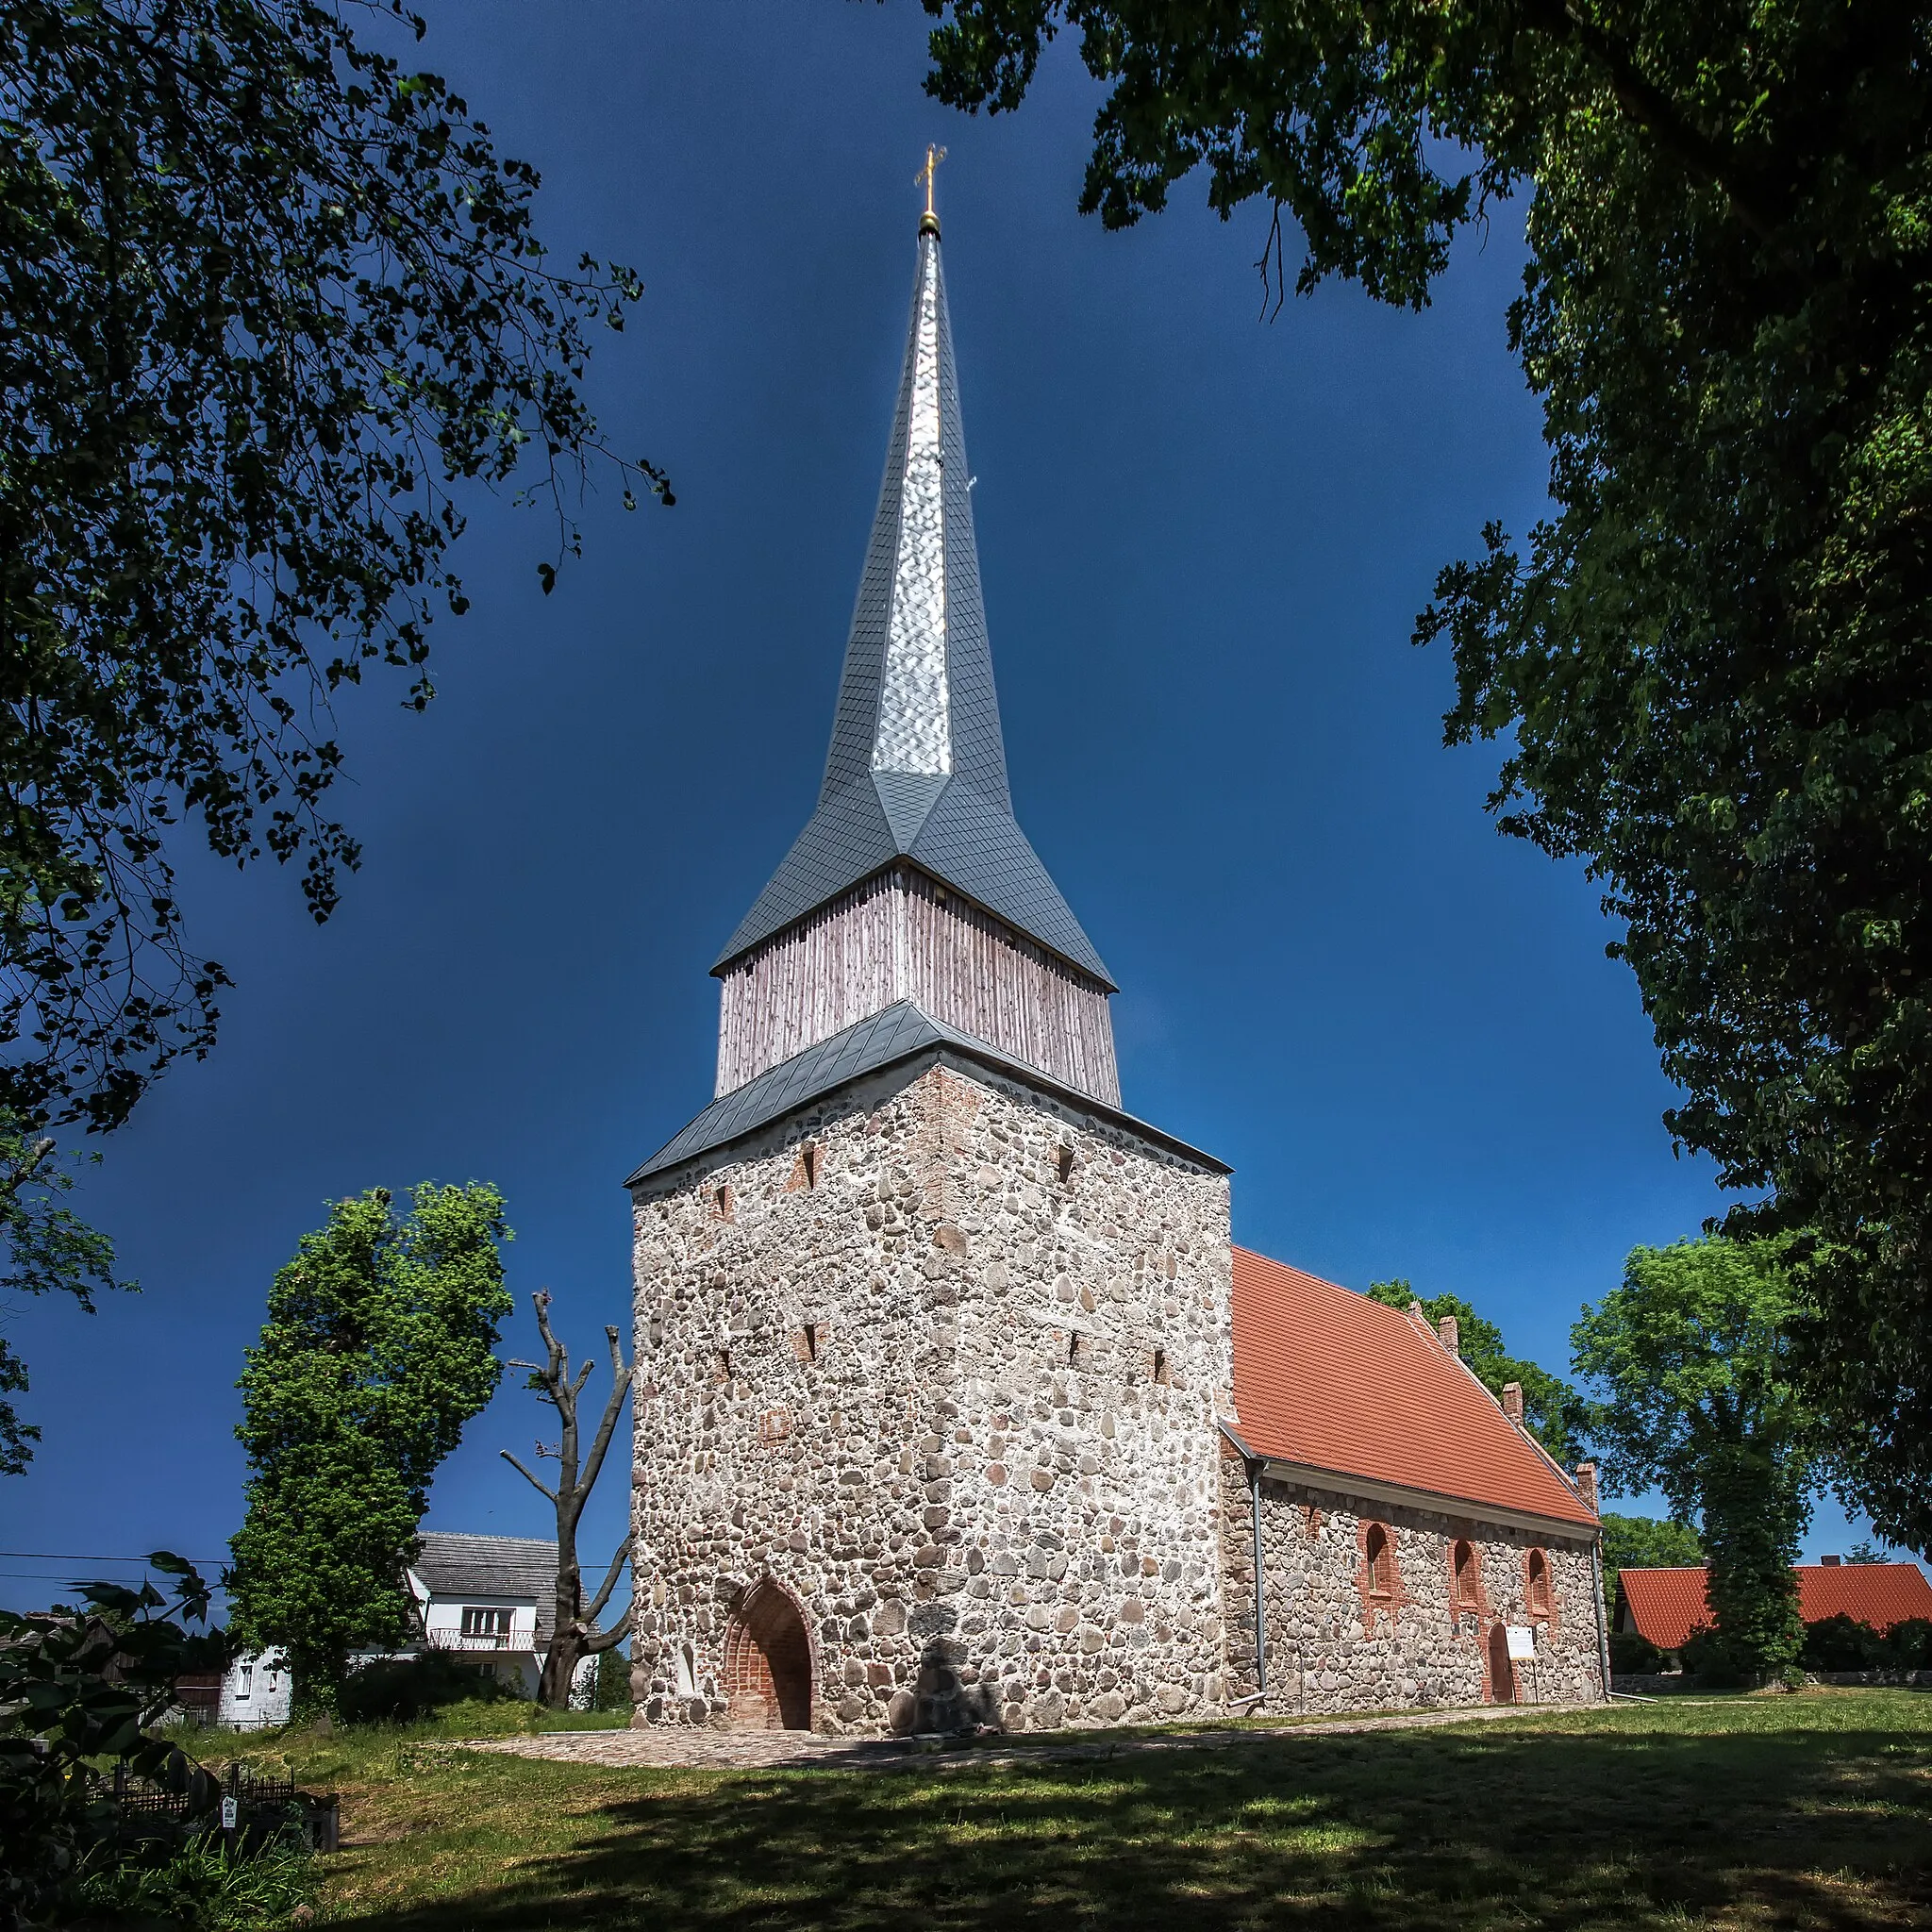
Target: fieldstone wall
<point x="935" y="1363"/>
<point x="1337" y="1643"/>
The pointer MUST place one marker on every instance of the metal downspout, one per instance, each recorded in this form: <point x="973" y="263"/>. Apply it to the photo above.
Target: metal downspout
<point x="1602" y="1632"/>
<point x="1260" y="1597"/>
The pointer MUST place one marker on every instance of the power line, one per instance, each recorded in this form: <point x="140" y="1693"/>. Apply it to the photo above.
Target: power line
<point x="58" y="1556"/>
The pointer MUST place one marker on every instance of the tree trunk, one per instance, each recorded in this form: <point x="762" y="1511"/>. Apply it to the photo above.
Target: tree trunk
<point x="574" y="1633"/>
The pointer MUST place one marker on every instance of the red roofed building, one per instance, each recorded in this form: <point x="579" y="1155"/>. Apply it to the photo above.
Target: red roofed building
<point x="1666" y="1606"/>
<point x="1406" y="1523"/>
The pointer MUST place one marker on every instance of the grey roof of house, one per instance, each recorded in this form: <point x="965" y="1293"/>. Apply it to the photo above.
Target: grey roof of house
<point x="881" y="1040"/>
<point x="956" y="823"/>
<point x="522" y="1567"/>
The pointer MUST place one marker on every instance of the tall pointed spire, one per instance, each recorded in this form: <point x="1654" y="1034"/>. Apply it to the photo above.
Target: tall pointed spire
<point x="917" y="767"/>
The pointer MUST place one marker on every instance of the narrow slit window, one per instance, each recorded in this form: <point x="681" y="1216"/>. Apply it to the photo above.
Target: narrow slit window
<point x="723" y="1202"/>
<point x="1379" y="1560"/>
<point x="808" y="1159"/>
<point x="1538" y="1568"/>
<point x="1079" y="1350"/>
<point x="1159" y="1370"/>
<point x="1063" y="1164"/>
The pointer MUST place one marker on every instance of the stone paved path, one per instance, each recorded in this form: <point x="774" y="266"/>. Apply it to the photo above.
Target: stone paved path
<point x="708" y="1749"/>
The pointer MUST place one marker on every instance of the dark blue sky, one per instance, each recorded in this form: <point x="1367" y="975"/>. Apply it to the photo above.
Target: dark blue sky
<point x="1204" y="541"/>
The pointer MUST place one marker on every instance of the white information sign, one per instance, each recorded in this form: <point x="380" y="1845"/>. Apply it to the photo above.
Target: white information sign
<point x="230" y="1810"/>
<point x="1522" y="1643"/>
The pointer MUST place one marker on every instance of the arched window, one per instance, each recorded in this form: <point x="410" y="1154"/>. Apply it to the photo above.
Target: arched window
<point x="1379" y="1556"/>
<point x="1538" y="1570"/>
<point x="1467" y="1576"/>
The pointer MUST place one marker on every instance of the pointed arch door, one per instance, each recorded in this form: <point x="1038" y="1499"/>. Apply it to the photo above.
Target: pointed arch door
<point x="1502" y="1671"/>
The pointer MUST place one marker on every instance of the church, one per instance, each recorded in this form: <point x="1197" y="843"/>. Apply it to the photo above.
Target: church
<point x="956" y="1403"/>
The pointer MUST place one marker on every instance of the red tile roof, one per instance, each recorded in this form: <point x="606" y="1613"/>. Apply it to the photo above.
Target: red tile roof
<point x="1330" y="1378"/>
<point x="1666" y="1605"/>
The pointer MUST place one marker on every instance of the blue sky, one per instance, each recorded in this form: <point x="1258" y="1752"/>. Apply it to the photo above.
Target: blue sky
<point x="1204" y="539"/>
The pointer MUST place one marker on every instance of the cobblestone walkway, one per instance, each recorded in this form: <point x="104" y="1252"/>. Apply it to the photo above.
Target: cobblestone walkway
<point x="708" y="1749"/>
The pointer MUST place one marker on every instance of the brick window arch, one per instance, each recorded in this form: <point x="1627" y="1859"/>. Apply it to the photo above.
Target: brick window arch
<point x="1536" y="1581"/>
<point x="1378" y="1558"/>
<point x="1468" y="1574"/>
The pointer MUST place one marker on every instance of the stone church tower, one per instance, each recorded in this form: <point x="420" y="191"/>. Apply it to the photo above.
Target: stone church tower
<point x="933" y="1340"/>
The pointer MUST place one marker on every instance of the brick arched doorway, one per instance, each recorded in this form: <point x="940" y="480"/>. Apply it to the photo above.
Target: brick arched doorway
<point x="768" y="1662"/>
<point x="1502" y="1671"/>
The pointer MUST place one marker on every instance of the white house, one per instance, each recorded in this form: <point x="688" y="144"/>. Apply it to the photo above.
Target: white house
<point x="490" y="1597"/>
<point x="257" y="1690"/>
<point x="493" y="1598"/>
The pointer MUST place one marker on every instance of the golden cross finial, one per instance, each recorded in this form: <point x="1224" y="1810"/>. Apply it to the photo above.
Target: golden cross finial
<point x="934" y="155"/>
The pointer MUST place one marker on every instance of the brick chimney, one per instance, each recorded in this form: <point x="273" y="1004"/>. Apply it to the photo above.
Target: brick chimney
<point x="1415" y="1313"/>
<point x="1451" y="1333"/>
<point x="1834" y="1561"/>
<point x="1512" y="1402"/>
<point x="1586" y="1485"/>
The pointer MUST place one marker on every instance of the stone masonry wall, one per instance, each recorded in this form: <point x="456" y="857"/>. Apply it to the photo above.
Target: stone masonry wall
<point x="1336" y="1644"/>
<point x="937" y="1361"/>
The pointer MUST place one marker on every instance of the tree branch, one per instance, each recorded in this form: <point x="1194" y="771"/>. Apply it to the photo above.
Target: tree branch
<point x="526" y="1476"/>
<point x="1654" y="110"/>
<point x="610" y="1576"/>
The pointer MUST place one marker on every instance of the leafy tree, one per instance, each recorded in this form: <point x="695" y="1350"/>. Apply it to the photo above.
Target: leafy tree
<point x="47" y="1250"/>
<point x="377" y="1351"/>
<point x="271" y="299"/>
<point x="1708" y="661"/>
<point x="1645" y="1543"/>
<point x="1553" y="1412"/>
<point x="1695" y="1352"/>
<point x="574" y="1632"/>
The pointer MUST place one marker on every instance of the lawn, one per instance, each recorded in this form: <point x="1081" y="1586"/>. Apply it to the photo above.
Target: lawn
<point x="1812" y="1811"/>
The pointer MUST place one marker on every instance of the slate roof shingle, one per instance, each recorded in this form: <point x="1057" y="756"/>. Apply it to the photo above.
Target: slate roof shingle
<point x="957" y="826"/>
<point x="1333" y="1380"/>
<point x="881" y="1040"/>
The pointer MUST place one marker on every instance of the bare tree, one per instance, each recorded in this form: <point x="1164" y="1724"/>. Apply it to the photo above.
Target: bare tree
<point x="574" y="1629"/>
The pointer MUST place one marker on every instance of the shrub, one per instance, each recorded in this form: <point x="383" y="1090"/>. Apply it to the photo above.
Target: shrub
<point x="1840" y="1643"/>
<point x="1706" y="1654"/>
<point x="402" y="1690"/>
<point x="1910" y="1644"/>
<point x="1632" y="1654"/>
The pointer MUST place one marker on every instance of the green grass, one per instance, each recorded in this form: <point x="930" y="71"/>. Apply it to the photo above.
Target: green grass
<point x="1792" y="1812"/>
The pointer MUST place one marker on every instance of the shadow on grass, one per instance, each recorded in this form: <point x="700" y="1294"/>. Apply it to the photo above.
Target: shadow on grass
<point x="1464" y="1829"/>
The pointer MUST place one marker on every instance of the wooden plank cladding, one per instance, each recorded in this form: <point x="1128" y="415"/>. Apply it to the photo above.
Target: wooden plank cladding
<point x="899" y="936"/>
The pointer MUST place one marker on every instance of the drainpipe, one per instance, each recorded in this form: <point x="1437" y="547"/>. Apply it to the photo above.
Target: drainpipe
<point x="1261" y="1593"/>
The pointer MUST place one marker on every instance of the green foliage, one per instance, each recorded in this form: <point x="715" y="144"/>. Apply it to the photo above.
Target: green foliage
<point x="1844" y="1643"/>
<point x="47" y="1250"/>
<point x="1695" y="1352"/>
<point x="403" y="1691"/>
<point x="203" y="1887"/>
<point x="272" y="301"/>
<point x="1909" y="1641"/>
<point x="613" y="1689"/>
<point x="1645" y="1543"/>
<point x="1708" y="663"/>
<point x="1556" y="1414"/>
<point x="1632" y="1654"/>
<point x="377" y="1350"/>
<point x="78" y="1686"/>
